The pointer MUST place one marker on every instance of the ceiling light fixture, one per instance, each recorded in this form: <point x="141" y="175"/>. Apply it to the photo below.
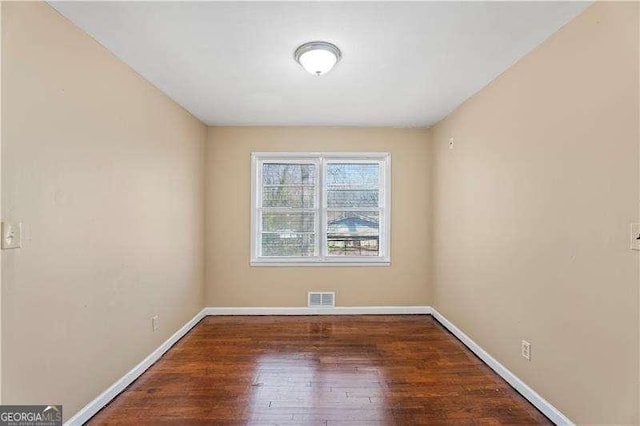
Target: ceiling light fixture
<point x="318" y="57"/>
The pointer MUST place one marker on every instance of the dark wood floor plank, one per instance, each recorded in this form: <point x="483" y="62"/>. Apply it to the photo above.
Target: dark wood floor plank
<point x="329" y="370"/>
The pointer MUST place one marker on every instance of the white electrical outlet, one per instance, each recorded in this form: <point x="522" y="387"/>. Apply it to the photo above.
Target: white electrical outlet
<point x="635" y="236"/>
<point x="154" y="322"/>
<point x="526" y="350"/>
<point x="11" y="235"/>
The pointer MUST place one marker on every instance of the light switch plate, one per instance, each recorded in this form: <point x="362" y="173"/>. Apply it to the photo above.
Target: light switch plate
<point x="11" y="235"/>
<point x="635" y="236"/>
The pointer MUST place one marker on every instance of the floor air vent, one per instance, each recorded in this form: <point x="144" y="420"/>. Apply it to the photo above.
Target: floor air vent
<point x="326" y="299"/>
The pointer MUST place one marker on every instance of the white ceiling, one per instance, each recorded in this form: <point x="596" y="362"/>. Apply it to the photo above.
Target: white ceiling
<point x="404" y="63"/>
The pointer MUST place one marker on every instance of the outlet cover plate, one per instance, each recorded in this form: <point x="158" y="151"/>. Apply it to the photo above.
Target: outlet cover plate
<point x="154" y="322"/>
<point x="526" y="350"/>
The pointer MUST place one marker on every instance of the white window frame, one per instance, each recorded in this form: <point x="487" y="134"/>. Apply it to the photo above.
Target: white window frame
<point x="320" y="159"/>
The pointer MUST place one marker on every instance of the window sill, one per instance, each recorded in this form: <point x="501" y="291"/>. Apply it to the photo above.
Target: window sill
<point x="380" y="262"/>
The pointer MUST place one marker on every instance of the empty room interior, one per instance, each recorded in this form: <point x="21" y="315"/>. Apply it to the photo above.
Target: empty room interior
<point x="320" y="213"/>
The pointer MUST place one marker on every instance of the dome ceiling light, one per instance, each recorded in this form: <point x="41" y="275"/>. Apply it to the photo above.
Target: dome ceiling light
<point x="318" y="57"/>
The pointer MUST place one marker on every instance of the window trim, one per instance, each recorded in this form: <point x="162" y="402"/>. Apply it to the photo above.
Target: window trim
<point x="320" y="158"/>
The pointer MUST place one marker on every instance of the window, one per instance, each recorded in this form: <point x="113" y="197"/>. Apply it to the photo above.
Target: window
<point x="320" y="208"/>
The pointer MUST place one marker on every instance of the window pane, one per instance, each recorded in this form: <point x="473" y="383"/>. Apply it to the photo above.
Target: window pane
<point x="337" y="198"/>
<point x="353" y="233"/>
<point x="353" y="175"/>
<point x="352" y="185"/>
<point x="288" y="174"/>
<point x="288" y="222"/>
<point x="296" y="194"/>
<point x="288" y="196"/>
<point x="288" y="244"/>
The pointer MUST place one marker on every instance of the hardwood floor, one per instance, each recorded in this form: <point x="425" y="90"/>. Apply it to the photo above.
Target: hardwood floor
<point x="330" y="370"/>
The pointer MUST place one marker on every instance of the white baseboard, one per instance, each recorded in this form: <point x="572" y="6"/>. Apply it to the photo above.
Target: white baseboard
<point x="338" y="310"/>
<point x="105" y="397"/>
<point x="532" y="396"/>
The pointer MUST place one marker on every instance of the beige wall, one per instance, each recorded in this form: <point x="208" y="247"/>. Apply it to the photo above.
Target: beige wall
<point x="531" y="216"/>
<point x="106" y="174"/>
<point x="230" y="281"/>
